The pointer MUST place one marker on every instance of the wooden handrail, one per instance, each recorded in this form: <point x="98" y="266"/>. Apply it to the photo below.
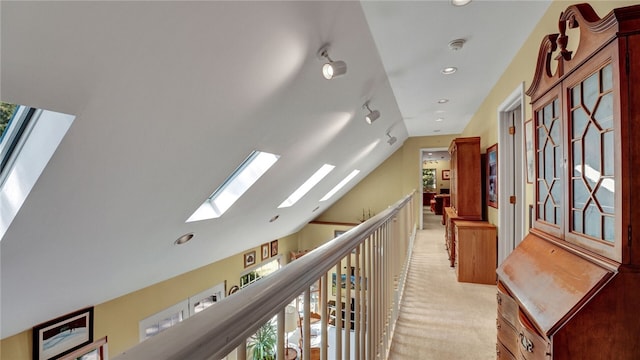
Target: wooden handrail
<point x="218" y="330"/>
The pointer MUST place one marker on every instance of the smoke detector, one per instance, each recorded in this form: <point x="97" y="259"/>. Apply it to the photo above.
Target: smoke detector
<point x="456" y="44"/>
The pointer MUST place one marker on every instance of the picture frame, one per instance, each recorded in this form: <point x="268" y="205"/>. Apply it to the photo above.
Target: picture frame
<point x="63" y="335"/>
<point x="274" y="248"/>
<point x="249" y="258"/>
<point x="528" y="151"/>
<point x="265" y="250"/>
<point x="97" y="350"/>
<point x="446" y="174"/>
<point x="492" y="175"/>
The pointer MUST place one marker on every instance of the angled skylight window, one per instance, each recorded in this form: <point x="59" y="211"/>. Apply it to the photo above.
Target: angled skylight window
<point x="13" y="122"/>
<point x="251" y="169"/>
<point x="340" y="185"/>
<point x="308" y="185"/>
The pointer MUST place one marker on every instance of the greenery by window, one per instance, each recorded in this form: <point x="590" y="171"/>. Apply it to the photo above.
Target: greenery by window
<point x="428" y="179"/>
<point x="6" y="113"/>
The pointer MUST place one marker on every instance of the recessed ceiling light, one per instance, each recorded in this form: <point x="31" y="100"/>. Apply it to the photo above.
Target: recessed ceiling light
<point x="443" y="101"/>
<point x="460" y="2"/>
<point x="184" y="239"/>
<point x="430" y="154"/>
<point x="449" y="70"/>
<point x="439" y="119"/>
<point x="274" y="218"/>
<point x="437" y="130"/>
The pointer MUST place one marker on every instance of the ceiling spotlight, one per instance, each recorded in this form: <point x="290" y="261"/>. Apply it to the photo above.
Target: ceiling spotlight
<point x="392" y="139"/>
<point x="460" y="2"/>
<point x="372" y="116"/>
<point x="331" y="69"/>
<point x="449" y="70"/>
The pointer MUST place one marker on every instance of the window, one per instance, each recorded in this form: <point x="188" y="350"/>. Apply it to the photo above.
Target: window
<point x="206" y="298"/>
<point x="252" y="275"/>
<point x="13" y="123"/>
<point x="428" y="179"/>
<point x="163" y="320"/>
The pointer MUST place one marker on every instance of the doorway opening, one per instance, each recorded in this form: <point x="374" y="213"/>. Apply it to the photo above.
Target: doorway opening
<point x="434" y="181"/>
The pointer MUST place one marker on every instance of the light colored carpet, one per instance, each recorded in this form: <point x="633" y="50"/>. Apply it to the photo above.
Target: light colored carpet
<point x="441" y="318"/>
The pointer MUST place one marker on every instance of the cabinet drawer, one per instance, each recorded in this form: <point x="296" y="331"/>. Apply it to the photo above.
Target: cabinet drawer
<point x="507" y="335"/>
<point x="502" y="353"/>
<point x="507" y="306"/>
<point x="531" y="345"/>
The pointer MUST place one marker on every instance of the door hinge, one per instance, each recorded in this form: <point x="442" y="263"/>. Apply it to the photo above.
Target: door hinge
<point x="512" y="130"/>
<point x="512" y="199"/>
<point x="629" y="237"/>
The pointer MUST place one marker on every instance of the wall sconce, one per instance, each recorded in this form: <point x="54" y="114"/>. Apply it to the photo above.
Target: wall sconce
<point x="372" y="116"/>
<point x="331" y="69"/>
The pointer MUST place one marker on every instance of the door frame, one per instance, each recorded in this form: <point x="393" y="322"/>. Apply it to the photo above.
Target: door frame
<point x="422" y="152"/>
<point x="509" y="163"/>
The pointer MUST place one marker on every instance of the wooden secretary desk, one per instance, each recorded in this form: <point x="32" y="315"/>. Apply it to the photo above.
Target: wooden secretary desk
<point x="571" y="289"/>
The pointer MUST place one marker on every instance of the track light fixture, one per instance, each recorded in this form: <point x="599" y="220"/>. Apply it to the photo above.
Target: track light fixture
<point x="392" y="139"/>
<point x="372" y="116"/>
<point x="331" y="69"/>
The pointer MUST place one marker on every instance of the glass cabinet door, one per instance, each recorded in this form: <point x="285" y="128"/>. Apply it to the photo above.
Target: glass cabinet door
<point x="549" y="158"/>
<point x="592" y="186"/>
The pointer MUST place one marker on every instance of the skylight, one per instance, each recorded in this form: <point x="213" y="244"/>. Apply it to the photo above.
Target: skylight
<point x="308" y="185"/>
<point x="340" y="185"/>
<point x="251" y="169"/>
<point x="13" y="122"/>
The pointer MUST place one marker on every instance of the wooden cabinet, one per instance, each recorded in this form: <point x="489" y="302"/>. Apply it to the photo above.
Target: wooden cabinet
<point x="466" y="181"/>
<point x="570" y="290"/>
<point x="465" y="196"/>
<point x="476" y="252"/>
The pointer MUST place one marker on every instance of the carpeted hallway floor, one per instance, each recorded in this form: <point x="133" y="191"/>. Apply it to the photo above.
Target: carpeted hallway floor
<point x="441" y="318"/>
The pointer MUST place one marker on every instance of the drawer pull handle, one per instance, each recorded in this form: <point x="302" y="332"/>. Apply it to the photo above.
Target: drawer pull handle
<point x="526" y="343"/>
<point x="499" y="299"/>
<point x="498" y="324"/>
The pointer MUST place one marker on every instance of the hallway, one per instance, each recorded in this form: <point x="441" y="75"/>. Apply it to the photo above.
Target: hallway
<point x="441" y="318"/>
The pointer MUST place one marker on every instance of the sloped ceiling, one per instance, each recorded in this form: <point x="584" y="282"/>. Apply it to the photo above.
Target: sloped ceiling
<point x="170" y="97"/>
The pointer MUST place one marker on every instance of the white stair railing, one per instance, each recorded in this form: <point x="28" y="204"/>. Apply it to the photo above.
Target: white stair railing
<point x="372" y="258"/>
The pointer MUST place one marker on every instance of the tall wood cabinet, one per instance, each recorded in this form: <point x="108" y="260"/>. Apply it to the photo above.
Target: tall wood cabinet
<point x="571" y="289"/>
<point x="465" y="187"/>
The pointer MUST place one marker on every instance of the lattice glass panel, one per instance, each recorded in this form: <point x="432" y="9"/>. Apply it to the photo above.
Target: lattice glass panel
<point x="592" y="186"/>
<point x="549" y="163"/>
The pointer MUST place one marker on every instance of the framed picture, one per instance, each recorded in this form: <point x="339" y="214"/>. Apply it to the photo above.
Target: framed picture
<point x="60" y="336"/>
<point x="265" y="249"/>
<point x="97" y="350"/>
<point x="446" y="174"/>
<point x="274" y="248"/>
<point x="492" y="176"/>
<point x="528" y="150"/>
<point x="249" y="258"/>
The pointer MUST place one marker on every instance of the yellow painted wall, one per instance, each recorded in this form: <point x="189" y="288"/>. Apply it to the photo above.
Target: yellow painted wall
<point x="484" y="122"/>
<point x="397" y="176"/>
<point x="118" y="319"/>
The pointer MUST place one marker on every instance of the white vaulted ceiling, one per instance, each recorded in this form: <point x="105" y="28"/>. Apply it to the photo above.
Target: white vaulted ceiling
<point x="170" y="97"/>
